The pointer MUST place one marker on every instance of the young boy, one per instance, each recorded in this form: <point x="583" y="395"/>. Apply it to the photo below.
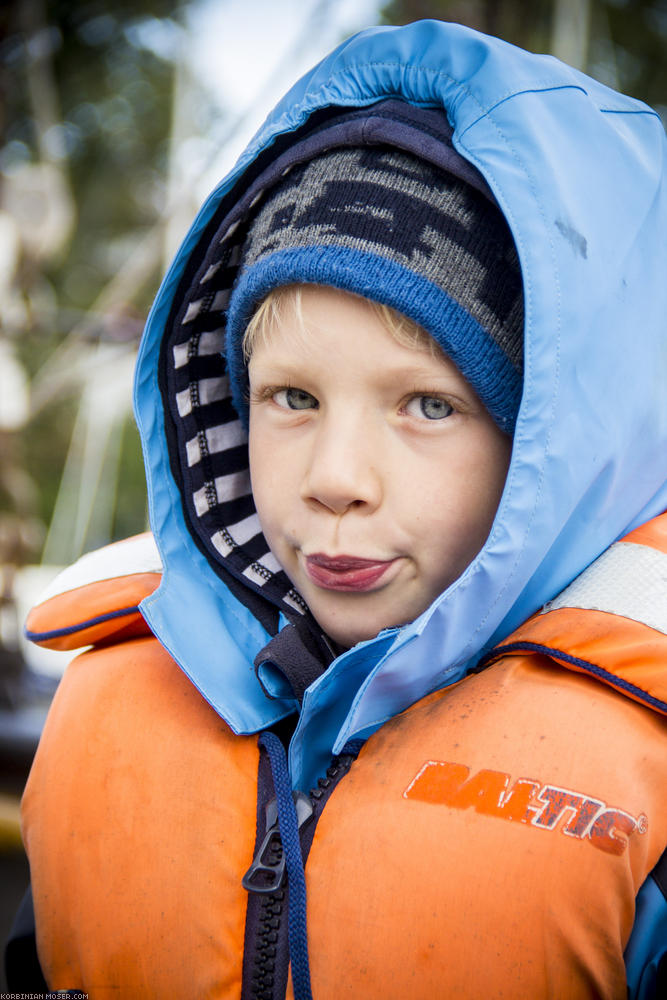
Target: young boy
<point x="440" y="253"/>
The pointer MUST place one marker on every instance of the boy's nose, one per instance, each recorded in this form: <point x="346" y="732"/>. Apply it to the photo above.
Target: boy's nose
<point x="343" y="471"/>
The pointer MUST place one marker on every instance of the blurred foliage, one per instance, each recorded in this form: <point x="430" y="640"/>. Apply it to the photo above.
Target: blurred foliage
<point x="130" y="470"/>
<point x="44" y="445"/>
<point x="112" y="69"/>
<point x="514" y="21"/>
<point x="86" y="103"/>
<point x="627" y="41"/>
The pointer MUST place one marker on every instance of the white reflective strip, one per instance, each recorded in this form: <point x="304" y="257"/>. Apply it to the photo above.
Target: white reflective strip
<point x="211" y="389"/>
<point x="200" y="499"/>
<point x="211" y="342"/>
<point x="221" y="543"/>
<point x="193" y="451"/>
<point x="271" y="563"/>
<point x="218" y="439"/>
<point x="628" y="580"/>
<point x="252" y="573"/>
<point x="211" y="270"/>
<point x="225" y="436"/>
<point x="192" y="311"/>
<point x="239" y="533"/>
<point x="208" y="390"/>
<point x="266" y="562"/>
<point x="232" y="229"/>
<point x="237" y="484"/>
<point x="245" y="530"/>
<point x="126" y="558"/>
<point x="184" y="402"/>
<point x="221" y="299"/>
<point x="181" y="355"/>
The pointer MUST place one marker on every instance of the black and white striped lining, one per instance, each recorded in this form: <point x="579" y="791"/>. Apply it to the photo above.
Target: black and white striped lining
<point x="212" y="443"/>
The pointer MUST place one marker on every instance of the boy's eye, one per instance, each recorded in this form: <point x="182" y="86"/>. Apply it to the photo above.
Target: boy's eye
<point x="428" y="407"/>
<point x="295" y="399"/>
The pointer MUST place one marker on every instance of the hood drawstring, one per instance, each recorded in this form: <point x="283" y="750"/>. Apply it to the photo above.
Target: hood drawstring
<point x="289" y="835"/>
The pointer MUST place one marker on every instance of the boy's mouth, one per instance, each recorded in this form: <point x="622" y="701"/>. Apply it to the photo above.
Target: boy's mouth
<point x="345" y="572"/>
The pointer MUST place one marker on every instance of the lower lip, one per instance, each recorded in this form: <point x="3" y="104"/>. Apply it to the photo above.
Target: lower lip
<point x="351" y="575"/>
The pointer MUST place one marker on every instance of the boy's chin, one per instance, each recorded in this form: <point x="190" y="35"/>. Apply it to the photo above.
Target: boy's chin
<point x="347" y="634"/>
<point x="348" y="619"/>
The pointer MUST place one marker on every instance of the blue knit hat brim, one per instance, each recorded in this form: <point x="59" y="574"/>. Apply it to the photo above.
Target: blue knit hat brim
<point x="485" y="365"/>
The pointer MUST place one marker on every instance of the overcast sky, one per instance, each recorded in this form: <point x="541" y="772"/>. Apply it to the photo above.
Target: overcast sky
<point x="249" y="52"/>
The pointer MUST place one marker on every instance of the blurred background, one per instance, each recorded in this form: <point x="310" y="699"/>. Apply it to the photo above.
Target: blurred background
<point x="116" y="120"/>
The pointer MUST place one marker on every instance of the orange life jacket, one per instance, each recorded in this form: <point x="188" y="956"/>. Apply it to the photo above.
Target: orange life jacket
<point x="488" y="842"/>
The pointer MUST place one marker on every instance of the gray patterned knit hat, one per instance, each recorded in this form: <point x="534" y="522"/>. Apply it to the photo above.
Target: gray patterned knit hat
<point x="385" y="224"/>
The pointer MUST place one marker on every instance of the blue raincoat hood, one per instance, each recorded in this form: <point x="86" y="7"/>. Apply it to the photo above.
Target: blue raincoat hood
<point x="579" y="172"/>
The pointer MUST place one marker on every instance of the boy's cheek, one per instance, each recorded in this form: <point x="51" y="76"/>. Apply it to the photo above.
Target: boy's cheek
<point x="267" y="461"/>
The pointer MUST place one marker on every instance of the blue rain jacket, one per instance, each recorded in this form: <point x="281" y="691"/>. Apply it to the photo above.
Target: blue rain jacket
<point x="580" y="174"/>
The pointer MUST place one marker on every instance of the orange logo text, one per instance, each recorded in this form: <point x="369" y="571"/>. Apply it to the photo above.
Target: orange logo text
<point x="547" y="807"/>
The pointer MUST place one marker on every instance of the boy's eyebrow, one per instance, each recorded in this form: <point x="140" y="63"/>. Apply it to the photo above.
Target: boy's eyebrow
<point x="281" y="367"/>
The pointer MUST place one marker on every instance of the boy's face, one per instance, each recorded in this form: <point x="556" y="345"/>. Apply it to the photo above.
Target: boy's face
<point x="375" y="468"/>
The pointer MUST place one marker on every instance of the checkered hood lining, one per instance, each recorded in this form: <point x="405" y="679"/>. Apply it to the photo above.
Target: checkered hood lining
<point x="212" y="443"/>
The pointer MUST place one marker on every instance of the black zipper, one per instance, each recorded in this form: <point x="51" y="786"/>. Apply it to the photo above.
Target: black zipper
<point x="269" y="946"/>
<point x="266" y="949"/>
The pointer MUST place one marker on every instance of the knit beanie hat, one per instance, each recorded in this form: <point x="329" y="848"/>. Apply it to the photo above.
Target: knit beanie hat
<point x="387" y="225"/>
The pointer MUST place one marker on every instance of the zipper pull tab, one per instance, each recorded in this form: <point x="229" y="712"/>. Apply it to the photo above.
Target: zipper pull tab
<point x="267" y="871"/>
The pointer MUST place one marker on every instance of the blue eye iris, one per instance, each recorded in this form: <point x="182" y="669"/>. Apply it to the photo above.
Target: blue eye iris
<point x="433" y="408"/>
<point x="298" y="399"/>
<point x="429" y="407"/>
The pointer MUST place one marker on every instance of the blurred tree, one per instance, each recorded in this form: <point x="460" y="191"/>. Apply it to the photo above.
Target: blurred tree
<point x="509" y="19"/>
<point x="86" y="99"/>
<point x="89" y="87"/>
<point x="623" y="43"/>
